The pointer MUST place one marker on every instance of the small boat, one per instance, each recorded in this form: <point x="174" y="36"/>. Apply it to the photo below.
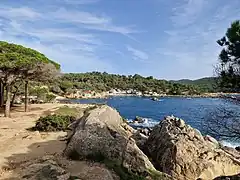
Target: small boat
<point x="155" y="99"/>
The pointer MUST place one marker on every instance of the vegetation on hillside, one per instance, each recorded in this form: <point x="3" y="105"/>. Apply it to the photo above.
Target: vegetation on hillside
<point x="207" y="84"/>
<point x="97" y="81"/>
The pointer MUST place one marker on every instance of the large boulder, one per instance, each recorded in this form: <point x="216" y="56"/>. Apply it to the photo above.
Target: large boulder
<point x="182" y="152"/>
<point x="48" y="170"/>
<point x="103" y="133"/>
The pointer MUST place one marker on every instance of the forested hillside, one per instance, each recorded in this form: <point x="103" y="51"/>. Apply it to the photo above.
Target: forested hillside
<point x="104" y="82"/>
<point x="208" y="84"/>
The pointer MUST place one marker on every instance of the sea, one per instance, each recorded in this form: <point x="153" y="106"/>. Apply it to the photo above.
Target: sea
<point x="194" y="111"/>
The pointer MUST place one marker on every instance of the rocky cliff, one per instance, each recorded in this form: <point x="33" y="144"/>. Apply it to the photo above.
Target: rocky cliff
<point x="182" y="152"/>
<point x="102" y="133"/>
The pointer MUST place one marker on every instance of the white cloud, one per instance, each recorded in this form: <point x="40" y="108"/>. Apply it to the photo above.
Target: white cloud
<point x="52" y="34"/>
<point x="73" y="58"/>
<point x="80" y="2"/>
<point x="137" y="54"/>
<point x="62" y="32"/>
<point x="20" y="13"/>
<point x="79" y="17"/>
<point x="91" y="21"/>
<point x="79" y="32"/>
<point x="191" y="44"/>
<point x="187" y="12"/>
<point x="113" y="28"/>
<point x="73" y="47"/>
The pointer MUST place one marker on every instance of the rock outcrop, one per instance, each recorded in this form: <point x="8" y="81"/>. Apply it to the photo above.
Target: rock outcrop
<point x="56" y="167"/>
<point x="102" y="132"/>
<point x="48" y="170"/>
<point x="140" y="139"/>
<point x="138" y="119"/>
<point x="182" y="152"/>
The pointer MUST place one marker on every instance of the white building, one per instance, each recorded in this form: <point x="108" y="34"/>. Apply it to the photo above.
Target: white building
<point x="139" y="93"/>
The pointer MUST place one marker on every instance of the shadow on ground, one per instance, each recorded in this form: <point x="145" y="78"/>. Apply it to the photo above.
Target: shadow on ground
<point x="18" y="165"/>
<point x="45" y="161"/>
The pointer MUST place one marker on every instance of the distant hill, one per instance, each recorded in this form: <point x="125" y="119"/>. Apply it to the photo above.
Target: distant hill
<point x="207" y="84"/>
<point x="102" y="82"/>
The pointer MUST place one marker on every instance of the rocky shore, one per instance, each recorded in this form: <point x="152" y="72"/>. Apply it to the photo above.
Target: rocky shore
<point x="173" y="148"/>
<point x="105" y="95"/>
<point x="110" y="149"/>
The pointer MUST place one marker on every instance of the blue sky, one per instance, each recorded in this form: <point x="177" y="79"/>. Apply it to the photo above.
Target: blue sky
<point x="168" y="39"/>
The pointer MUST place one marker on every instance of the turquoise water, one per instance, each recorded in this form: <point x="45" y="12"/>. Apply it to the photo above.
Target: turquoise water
<point x="193" y="110"/>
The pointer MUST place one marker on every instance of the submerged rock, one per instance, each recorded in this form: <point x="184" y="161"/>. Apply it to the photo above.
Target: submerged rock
<point x="181" y="151"/>
<point x="102" y="133"/>
<point x="138" y="120"/>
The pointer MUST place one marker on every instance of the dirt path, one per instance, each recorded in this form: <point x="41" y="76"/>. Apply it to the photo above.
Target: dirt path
<point x="19" y="145"/>
<point x="22" y="152"/>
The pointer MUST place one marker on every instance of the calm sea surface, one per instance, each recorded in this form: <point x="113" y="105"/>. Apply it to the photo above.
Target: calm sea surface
<point x="193" y="110"/>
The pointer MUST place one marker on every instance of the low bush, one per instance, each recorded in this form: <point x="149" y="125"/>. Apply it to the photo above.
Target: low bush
<point x="54" y="122"/>
<point x="67" y="111"/>
<point x="50" y="97"/>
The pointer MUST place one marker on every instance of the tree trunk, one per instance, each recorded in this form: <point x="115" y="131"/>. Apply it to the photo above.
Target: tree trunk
<point x="1" y="94"/>
<point x="14" y="95"/>
<point x="7" y="106"/>
<point x="26" y="96"/>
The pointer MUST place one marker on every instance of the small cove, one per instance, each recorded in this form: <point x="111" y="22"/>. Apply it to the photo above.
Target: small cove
<point x="193" y="110"/>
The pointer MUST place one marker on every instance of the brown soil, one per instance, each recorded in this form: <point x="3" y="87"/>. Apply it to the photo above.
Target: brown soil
<point x="19" y="146"/>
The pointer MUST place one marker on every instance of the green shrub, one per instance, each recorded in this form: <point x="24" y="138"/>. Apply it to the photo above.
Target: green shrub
<point x="39" y="91"/>
<point x="67" y="111"/>
<point x="50" y="97"/>
<point x="53" y="123"/>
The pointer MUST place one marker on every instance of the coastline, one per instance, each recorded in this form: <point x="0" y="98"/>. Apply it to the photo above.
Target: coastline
<point x="36" y="149"/>
<point x="107" y="95"/>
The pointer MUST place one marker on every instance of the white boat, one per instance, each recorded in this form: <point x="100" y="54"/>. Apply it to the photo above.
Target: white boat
<point x="155" y="99"/>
